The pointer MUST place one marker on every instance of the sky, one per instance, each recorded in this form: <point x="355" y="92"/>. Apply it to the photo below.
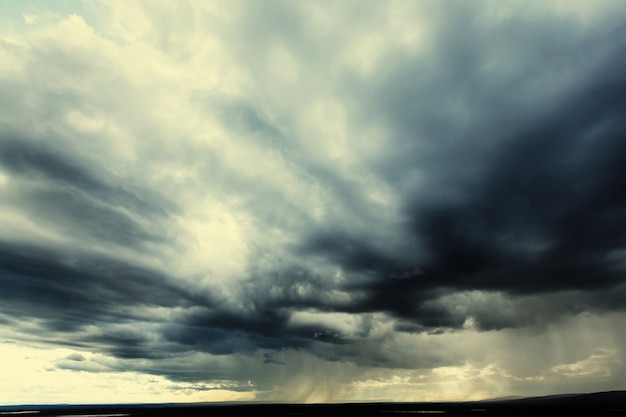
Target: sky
<point x="311" y="201"/>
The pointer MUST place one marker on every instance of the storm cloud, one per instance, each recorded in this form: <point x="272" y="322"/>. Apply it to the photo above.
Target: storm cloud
<point x="315" y="201"/>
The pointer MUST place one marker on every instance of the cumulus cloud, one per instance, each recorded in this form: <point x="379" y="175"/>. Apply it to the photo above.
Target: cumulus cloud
<point x="316" y="201"/>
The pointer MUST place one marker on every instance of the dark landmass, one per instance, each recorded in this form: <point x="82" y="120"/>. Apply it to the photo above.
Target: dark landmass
<point x="611" y="403"/>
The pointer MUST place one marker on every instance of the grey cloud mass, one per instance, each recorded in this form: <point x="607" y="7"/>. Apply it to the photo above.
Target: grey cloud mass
<point x="326" y="201"/>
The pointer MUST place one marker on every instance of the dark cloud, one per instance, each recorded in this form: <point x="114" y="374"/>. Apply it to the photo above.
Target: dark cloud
<point x="526" y="199"/>
<point x="353" y="253"/>
<point x="548" y="209"/>
<point x="60" y="192"/>
<point x="21" y="156"/>
<point x="68" y="290"/>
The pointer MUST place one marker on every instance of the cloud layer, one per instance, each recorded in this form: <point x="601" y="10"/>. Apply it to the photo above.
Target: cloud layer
<point x="315" y="201"/>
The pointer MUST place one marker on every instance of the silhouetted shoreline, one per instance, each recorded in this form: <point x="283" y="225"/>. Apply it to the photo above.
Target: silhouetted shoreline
<point x="602" y="403"/>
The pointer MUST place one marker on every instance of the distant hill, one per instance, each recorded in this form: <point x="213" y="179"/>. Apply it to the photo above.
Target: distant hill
<point x="604" y="399"/>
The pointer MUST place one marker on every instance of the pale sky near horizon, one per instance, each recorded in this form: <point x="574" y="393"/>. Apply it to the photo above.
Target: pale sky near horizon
<point x="311" y="201"/>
